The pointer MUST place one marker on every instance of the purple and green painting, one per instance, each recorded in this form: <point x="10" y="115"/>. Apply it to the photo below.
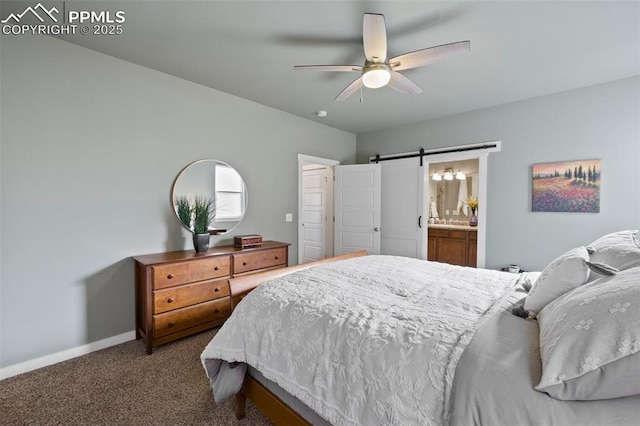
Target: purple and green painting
<point x="570" y="186"/>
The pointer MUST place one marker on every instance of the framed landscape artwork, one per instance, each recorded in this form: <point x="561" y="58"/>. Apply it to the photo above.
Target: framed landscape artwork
<point x="570" y="186"/>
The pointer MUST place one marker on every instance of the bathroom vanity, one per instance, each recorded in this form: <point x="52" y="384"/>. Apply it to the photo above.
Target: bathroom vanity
<point x="454" y="244"/>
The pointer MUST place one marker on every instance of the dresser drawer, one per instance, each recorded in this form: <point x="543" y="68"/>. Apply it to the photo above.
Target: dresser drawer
<point x="259" y="260"/>
<point x="187" y="295"/>
<point x="181" y="319"/>
<point x="177" y="273"/>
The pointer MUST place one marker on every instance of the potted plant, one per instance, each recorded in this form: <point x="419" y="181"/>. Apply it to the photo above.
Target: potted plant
<point x="183" y="209"/>
<point x="203" y="214"/>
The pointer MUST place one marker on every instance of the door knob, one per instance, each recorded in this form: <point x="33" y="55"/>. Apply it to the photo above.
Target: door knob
<point x="375" y="229"/>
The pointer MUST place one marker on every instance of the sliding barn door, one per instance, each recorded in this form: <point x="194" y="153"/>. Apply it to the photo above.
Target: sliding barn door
<point x="403" y="210"/>
<point x="357" y="192"/>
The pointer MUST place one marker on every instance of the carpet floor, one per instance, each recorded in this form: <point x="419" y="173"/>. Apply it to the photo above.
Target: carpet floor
<point x="122" y="385"/>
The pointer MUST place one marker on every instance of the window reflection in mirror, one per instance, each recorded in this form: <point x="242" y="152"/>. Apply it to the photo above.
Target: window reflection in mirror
<point x="229" y="190"/>
<point x="219" y="182"/>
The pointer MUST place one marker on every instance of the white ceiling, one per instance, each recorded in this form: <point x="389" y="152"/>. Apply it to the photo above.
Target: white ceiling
<point x="519" y="50"/>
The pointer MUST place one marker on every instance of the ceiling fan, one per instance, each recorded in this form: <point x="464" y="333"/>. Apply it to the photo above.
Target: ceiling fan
<point x="378" y="71"/>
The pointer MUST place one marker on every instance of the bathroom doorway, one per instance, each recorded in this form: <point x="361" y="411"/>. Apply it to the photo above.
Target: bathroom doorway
<point x="452" y="233"/>
<point x="448" y="202"/>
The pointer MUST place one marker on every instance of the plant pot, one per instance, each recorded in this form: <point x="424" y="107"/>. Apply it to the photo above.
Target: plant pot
<point x="474" y="218"/>
<point x="201" y="242"/>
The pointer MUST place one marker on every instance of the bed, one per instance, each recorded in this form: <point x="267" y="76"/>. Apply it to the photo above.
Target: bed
<point x="391" y="340"/>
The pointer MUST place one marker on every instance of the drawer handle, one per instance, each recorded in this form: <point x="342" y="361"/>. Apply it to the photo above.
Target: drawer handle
<point x="216" y="268"/>
<point x="217" y="289"/>
<point x="171" y="324"/>
<point x="170" y="300"/>
<point x="169" y="276"/>
<point x="244" y="263"/>
<point x="277" y="257"/>
<point x="216" y="310"/>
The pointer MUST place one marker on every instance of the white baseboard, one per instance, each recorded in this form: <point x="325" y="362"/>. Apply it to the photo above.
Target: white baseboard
<point x="34" y="364"/>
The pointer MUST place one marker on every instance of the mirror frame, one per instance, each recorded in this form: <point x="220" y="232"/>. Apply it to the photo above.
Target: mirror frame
<point x="244" y="192"/>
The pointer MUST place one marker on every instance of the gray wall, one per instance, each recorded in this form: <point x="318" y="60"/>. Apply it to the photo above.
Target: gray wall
<point x="90" y="147"/>
<point x="601" y="121"/>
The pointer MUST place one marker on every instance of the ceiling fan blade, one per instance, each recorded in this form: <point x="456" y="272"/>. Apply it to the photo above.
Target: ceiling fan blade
<point x="429" y="55"/>
<point x="374" y="37"/>
<point x="403" y="84"/>
<point x="350" y="90"/>
<point x="328" y="67"/>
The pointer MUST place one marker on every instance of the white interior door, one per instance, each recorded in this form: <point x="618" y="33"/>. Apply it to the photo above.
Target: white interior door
<point x="317" y="210"/>
<point x="357" y="192"/>
<point x="403" y="228"/>
<point x="305" y="162"/>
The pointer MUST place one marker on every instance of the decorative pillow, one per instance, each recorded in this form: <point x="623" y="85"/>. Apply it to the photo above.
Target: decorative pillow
<point x="601" y="269"/>
<point x="562" y="275"/>
<point x="620" y="250"/>
<point x="590" y="340"/>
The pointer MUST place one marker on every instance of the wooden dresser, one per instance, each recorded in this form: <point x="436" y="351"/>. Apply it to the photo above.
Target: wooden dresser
<point x="454" y="246"/>
<point x="183" y="292"/>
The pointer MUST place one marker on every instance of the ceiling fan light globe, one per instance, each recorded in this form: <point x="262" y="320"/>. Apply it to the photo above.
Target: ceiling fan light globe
<point x="376" y="78"/>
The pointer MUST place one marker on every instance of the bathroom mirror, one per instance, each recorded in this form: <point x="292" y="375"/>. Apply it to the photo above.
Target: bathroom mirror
<point x="451" y="184"/>
<point x="217" y="181"/>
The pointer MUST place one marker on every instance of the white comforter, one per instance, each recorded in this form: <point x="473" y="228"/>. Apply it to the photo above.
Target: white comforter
<point x="369" y="340"/>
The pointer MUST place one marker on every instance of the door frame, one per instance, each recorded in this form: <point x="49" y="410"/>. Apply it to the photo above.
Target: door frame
<point x="481" y="156"/>
<point x="303" y="158"/>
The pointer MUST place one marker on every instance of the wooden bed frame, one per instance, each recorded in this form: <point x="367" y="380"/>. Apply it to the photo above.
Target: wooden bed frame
<point x="266" y="401"/>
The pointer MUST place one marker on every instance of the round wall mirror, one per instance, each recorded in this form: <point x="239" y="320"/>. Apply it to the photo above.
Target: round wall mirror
<point x="220" y="185"/>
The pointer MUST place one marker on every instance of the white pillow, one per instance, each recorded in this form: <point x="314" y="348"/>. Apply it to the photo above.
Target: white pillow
<point x="618" y="249"/>
<point x="562" y="275"/>
<point x="590" y="340"/>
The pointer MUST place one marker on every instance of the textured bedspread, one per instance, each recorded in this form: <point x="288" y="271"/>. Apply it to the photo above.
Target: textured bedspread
<point x="369" y="340"/>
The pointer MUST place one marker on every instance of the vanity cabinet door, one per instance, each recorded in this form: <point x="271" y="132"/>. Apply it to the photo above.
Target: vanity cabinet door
<point x="472" y="257"/>
<point x="432" y="249"/>
<point x="452" y="251"/>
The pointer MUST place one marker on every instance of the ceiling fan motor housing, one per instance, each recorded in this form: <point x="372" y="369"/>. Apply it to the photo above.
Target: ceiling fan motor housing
<point x="375" y="75"/>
